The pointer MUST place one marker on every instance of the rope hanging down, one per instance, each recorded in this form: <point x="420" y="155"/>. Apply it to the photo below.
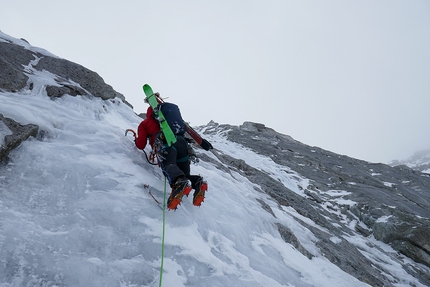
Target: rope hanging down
<point x="164" y="229"/>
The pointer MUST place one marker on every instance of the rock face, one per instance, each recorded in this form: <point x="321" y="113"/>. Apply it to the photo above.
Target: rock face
<point x="90" y="83"/>
<point x="391" y="204"/>
<point x="19" y="134"/>
<point x="420" y="161"/>
<point x="12" y="60"/>
<point x="19" y="60"/>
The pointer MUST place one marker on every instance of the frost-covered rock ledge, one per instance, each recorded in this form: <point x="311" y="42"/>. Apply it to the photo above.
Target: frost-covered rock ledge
<point x="12" y="134"/>
<point x="22" y="64"/>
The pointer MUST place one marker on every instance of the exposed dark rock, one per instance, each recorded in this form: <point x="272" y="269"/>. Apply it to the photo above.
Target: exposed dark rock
<point x="266" y="207"/>
<point x="17" y="63"/>
<point x="73" y="79"/>
<point x="87" y="79"/>
<point x="348" y="258"/>
<point x="390" y="203"/>
<point x="19" y="134"/>
<point x="419" y="161"/>
<point x="411" y="240"/>
<point x="289" y="237"/>
<point x="55" y="91"/>
<point x="12" y="59"/>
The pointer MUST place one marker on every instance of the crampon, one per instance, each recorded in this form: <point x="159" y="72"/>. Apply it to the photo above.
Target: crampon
<point x="179" y="190"/>
<point x="199" y="196"/>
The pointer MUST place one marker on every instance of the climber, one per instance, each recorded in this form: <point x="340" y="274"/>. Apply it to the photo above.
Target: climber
<point x="174" y="161"/>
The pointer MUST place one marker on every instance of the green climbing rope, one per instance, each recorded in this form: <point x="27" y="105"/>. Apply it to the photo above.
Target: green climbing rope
<point x="162" y="238"/>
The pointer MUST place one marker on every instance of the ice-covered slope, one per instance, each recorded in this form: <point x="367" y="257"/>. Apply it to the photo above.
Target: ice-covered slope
<point x="75" y="213"/>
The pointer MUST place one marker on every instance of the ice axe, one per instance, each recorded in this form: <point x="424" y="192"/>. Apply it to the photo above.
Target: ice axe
<point x="132" y="131"/>
<point x="151" y="158"/>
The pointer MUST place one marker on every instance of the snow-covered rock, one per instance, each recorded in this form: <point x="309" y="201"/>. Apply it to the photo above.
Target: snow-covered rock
<point x="418" y="161"/>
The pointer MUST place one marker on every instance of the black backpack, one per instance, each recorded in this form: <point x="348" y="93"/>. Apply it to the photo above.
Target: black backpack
<point x="172" y="114"/>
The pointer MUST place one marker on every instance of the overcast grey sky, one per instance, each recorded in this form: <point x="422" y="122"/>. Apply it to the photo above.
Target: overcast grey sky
<point x="348" y="76"/>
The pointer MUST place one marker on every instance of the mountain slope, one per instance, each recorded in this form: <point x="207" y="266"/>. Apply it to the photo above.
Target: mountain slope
<point x="418" y="161"/>
<point x="74" y="211"/>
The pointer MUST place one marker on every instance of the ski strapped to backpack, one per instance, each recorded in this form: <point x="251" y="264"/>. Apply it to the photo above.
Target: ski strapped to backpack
<point x="152" y="99"/>
<point x="199" y="140"/>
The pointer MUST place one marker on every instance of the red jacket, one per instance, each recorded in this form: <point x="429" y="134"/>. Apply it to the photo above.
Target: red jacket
<point x="148" y="129"/>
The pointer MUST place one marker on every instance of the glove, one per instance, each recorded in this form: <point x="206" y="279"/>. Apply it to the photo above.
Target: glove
<point x="206" y="145"/>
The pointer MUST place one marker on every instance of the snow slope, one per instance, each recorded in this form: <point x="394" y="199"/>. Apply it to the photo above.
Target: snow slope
<point x="74" y="211"/>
